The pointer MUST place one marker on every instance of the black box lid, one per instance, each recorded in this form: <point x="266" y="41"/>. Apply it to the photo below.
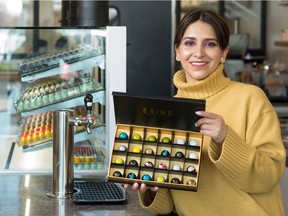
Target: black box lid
<point x="161" y="112"/>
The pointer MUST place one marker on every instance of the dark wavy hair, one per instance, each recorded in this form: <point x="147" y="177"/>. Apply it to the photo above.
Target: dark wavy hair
<point x="208" y="16"/>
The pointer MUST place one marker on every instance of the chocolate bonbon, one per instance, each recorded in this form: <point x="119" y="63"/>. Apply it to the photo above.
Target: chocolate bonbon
<point x="162" y="166"/>
<point x="136" y="150"/>
<point x="176" y="167"/>
<point x="117" y="174"/>
<point x="149" y="164"/>
<point x="123" y="135"/>
<point x="146" y="177"/>
<point x="136" y="136"/>
<point x="180" y="141"/>
<point x="179" y="154"/>
<point x="133" y="163"/>
<point x="160" y="179"/>
<point x="152" y="138"/>
<point x="149" y="151"/>
<point x="132" y="175"/>
<point x="119" y="161"/>
<point x="165" y="140"/>
<point x="191" y="182"/>
<point x="165" y="153"/>
<point x="190" y="168"/>
<point x="193" y="142"/>
<point x="122" y="148"/>
<point x="193" y="155"/>
<point x="175" y="180"/>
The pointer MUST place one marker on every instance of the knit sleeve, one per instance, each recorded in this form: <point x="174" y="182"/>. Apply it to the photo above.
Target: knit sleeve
<point x="161" y="204"/>
<point x="254" y="165"/>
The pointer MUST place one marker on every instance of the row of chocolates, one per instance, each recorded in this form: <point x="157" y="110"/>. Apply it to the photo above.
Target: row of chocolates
<point x="44" y="62"/>
<point x="55" y="90"/>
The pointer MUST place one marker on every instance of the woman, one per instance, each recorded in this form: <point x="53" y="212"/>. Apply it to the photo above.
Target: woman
<point x="243" y="155"/>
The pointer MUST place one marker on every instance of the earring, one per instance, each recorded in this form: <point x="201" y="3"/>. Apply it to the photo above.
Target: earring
<point x="177" y="58"/>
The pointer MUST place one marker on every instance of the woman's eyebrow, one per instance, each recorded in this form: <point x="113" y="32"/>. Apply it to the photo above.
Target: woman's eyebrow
<point x="194" y="38"/>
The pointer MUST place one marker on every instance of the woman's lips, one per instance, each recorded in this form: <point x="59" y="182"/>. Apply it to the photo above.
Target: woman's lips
<point x="198" y="64"/>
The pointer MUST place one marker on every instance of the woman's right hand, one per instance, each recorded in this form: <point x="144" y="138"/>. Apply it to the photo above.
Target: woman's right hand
<point x="142" y="188"/>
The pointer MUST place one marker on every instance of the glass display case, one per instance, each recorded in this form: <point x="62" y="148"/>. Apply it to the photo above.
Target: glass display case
<point x="57" y="68"/>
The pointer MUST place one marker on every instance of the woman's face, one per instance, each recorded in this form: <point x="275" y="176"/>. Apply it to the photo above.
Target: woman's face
<point x="199" y="51"/>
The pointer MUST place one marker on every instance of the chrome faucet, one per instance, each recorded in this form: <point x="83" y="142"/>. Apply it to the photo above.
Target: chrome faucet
<point x="89" y="119"/>
<point x="63" y="147"/>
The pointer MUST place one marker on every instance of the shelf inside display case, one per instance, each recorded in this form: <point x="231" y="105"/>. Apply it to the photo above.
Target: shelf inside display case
<point x="98" y="96"/>
<point x="97" y="132"/>
<point x="71" y="68"/>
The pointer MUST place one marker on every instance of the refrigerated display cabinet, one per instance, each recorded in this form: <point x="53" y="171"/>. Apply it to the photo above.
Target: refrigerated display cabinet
<point x="57" y="68"/>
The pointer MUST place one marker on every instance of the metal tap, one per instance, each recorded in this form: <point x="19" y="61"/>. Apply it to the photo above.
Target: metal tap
<point x="89" y="119"/>
<point x="63" y="147"/>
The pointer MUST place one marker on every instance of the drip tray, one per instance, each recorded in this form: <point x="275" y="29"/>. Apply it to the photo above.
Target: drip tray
<point x="98" y="192"/>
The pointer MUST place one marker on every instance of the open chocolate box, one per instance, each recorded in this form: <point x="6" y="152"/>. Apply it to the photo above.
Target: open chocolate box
<point x="156" y="142"/>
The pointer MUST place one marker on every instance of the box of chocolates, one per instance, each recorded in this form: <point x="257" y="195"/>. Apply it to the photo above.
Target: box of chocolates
<point x="156" y="142"/>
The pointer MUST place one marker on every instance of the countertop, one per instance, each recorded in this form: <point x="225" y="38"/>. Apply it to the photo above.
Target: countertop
<point x="27" y="195"/>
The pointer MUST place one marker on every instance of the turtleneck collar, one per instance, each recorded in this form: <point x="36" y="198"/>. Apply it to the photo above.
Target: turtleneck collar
<point x="201" y="89"/>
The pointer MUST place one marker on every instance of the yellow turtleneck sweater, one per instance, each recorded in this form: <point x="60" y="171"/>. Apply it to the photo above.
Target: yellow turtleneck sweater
<point x="241" y="178"/>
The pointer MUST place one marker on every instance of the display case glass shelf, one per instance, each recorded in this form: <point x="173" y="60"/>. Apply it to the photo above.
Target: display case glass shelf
<point x="57" y="68"/>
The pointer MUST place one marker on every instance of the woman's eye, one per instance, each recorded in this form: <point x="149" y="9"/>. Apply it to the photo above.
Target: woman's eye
<point x="211" y="44"/>
<point x="189" y="43"/>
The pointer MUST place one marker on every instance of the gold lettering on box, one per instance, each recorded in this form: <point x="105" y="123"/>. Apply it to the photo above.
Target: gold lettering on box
<point x="157" y="112"/>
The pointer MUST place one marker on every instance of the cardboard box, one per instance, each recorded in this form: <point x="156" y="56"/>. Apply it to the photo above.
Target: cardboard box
<point x="156" y="142"/>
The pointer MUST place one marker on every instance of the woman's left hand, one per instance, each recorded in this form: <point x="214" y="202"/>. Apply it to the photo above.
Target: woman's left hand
<point x="212" y="125"/>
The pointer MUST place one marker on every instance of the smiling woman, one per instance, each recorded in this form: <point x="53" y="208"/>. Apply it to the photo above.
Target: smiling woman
<point x="237" y="145"/>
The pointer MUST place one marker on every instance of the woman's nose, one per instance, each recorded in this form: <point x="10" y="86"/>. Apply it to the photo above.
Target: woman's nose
<point x="198" y="51"/>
